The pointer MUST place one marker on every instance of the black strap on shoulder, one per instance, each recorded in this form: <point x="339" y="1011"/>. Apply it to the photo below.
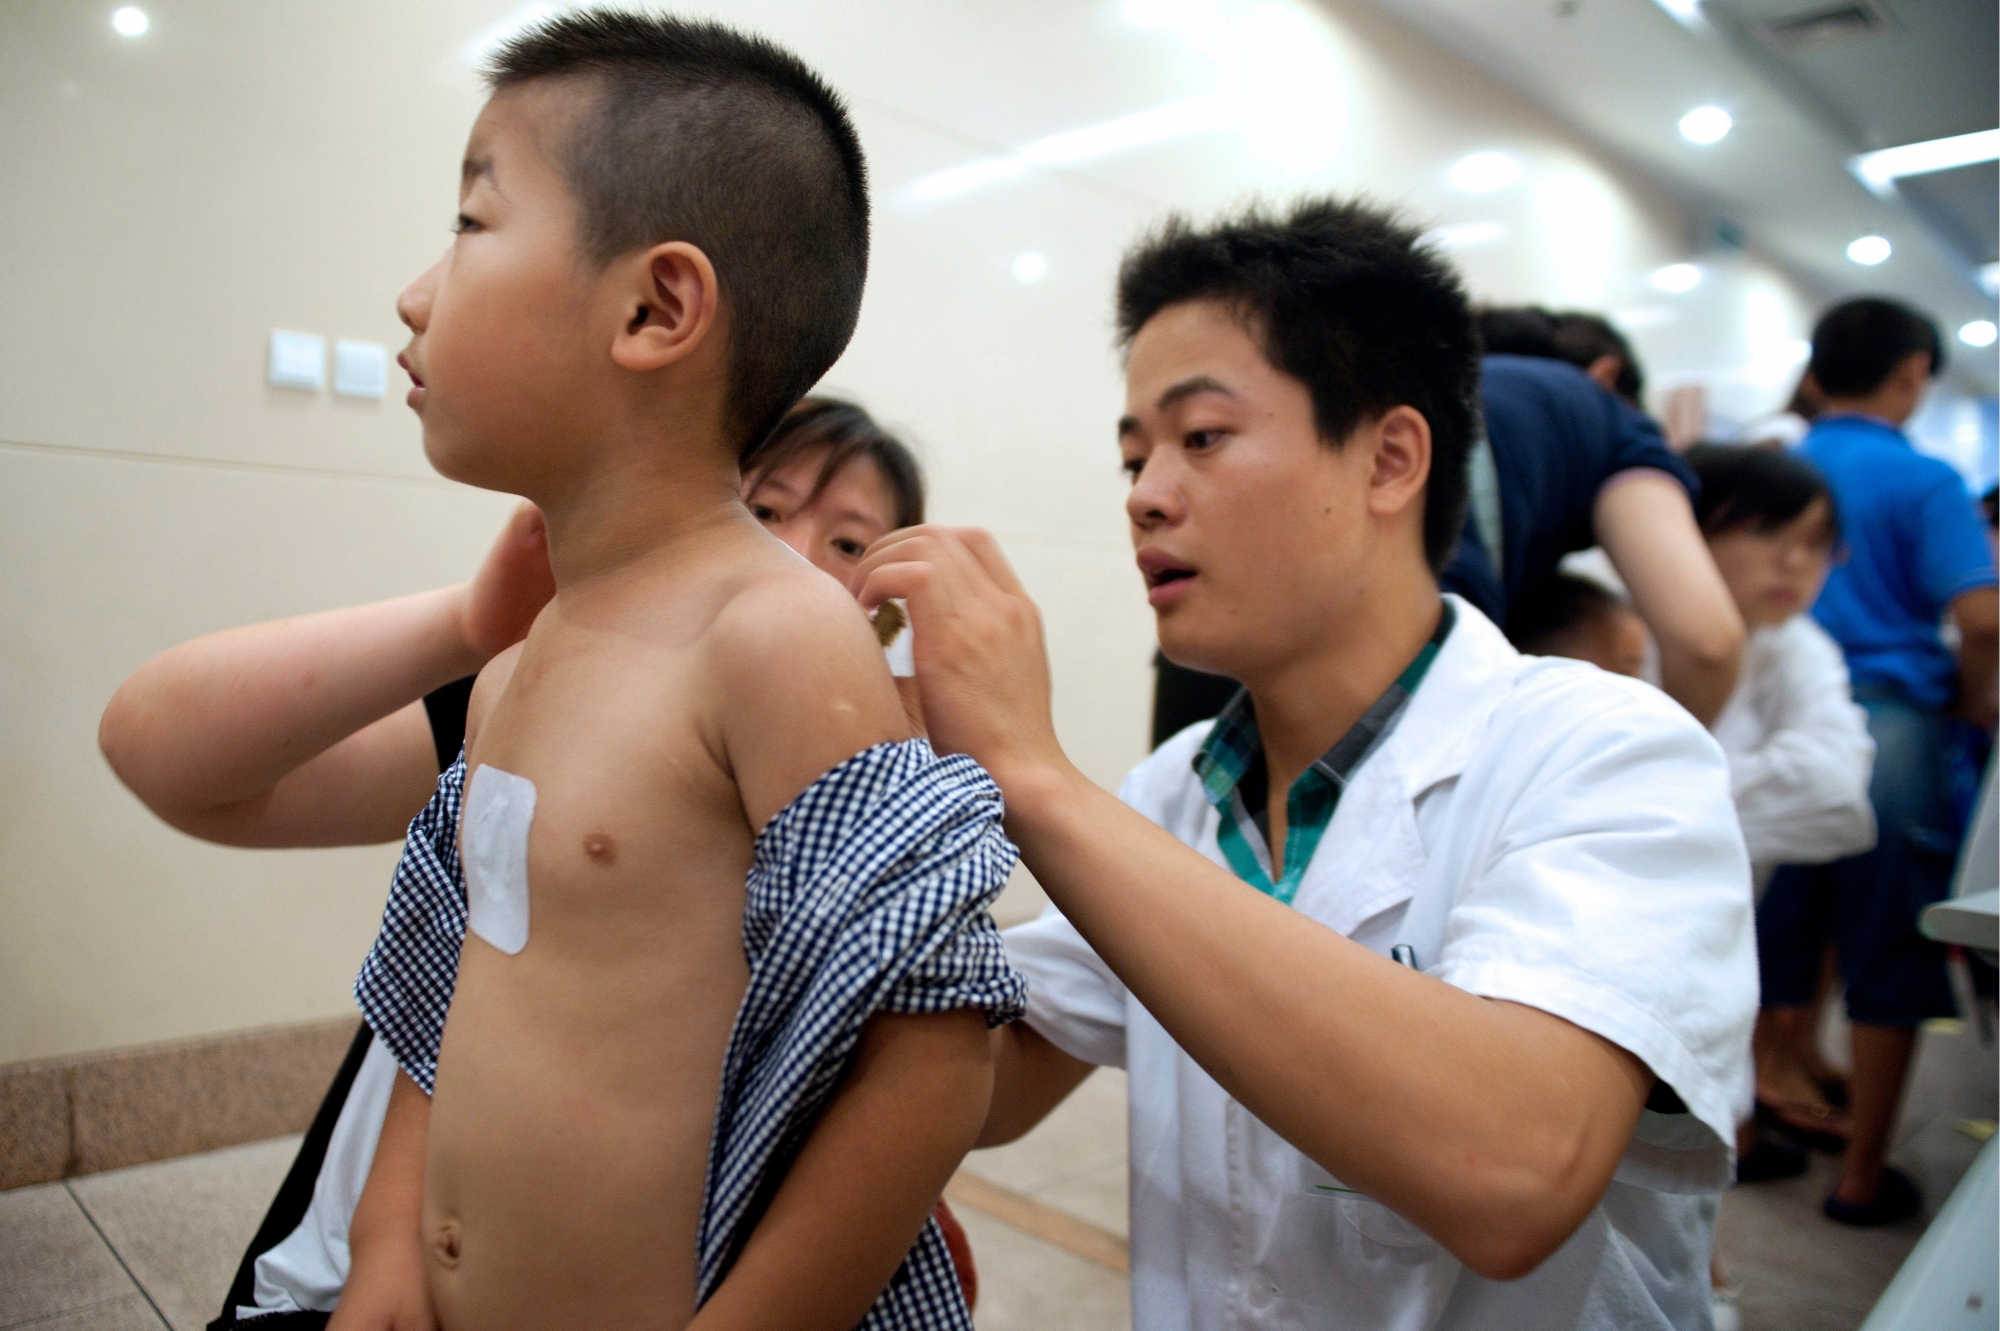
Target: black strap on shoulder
<point x="288" y="1209"/>
<point x="446" y="709"/>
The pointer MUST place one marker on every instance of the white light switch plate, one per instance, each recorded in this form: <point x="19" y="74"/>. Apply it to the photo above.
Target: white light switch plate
<point x="298" y="360"/>
<point x="360" y="369"/>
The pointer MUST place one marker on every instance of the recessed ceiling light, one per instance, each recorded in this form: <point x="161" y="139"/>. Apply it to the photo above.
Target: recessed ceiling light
<point x="1706" y="124"/>
<point x="1482" y="173"/>
<point x="1869" y="250"/>
<point x="1030" y="268"/>
<point x="1979" y="333"/>
<point x="131" y="21"/>
<point x="1676" y="278"/>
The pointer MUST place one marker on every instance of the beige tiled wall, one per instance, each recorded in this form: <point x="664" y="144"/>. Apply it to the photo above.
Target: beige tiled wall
<point x="170" y="200"/>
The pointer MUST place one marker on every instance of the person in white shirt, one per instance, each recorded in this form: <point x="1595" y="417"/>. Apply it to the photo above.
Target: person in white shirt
<point x="1798" y="744"/>
<point x="1430" y="962"/>
<point x="1800" y="755"/>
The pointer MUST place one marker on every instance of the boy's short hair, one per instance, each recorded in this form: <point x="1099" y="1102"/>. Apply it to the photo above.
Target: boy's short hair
<point x="1758" y="488"/>
<point x="1346" y="298"/>
<point x="1549" y="615"/>
<point x="1859" y="343"/>
<point x="699" y="133"/>
<point x="845" y="431"/>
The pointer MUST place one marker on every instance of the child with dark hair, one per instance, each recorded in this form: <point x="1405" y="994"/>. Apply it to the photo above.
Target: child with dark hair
<point x="332" y="728"/>
<point x="1917" y="555"/>
<point x="691" y="912"/>
<point x="1584" y="620"/>
<point x="1799" y="752"/>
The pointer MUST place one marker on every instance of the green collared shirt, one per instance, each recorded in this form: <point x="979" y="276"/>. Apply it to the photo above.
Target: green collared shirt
<point x="1230" y="765"/>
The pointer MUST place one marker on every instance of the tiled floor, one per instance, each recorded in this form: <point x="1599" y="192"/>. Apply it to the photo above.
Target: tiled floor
<point x="155" y="1245"/>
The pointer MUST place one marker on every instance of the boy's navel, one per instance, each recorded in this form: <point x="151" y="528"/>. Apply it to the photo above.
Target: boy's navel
<point x="600" y="848"/>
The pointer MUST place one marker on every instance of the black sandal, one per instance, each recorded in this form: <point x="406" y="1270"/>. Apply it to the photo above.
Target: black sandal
<point x="1896" y="1198"/>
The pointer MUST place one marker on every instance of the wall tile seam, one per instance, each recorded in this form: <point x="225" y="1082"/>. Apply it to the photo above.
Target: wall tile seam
<point x="432" y="482"/>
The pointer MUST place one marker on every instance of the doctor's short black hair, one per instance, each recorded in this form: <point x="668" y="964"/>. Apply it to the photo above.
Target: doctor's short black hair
<point x="693" y="131"/>
<point x="1347" y="298"/>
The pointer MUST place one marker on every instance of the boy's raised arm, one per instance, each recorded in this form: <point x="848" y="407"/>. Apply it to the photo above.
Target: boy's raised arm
<point x="311" y="731"/>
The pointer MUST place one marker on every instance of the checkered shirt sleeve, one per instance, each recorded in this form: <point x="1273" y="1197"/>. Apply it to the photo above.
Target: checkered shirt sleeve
<point x="406" y="982"/>
<point x="868" y="893"/>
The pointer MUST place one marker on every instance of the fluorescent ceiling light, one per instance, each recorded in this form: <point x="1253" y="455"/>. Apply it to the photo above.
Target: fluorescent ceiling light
<point x="1879" y="170"/>
<point x="1030" y="268"/>
<point x="1706" y="124"/>
<point x="1870" y="250"/>
<point x="131" y="21"/>
<point x="1989" y="278"/>
<point x="1687" y="13"/>
<point x="1676" y="278"/>
<point x="1483" y="173"/>
<point x="1465" y="235"/>
<point x="1979" y="333"/>
<point x="1141" y="128"/>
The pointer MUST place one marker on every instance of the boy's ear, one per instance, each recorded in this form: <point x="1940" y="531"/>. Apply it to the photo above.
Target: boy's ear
<point x="669" y="303"/>
<point x="1402" y="465"/>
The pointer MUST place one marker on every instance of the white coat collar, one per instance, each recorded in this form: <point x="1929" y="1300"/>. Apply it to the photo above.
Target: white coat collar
<point x="1447" y="717"/>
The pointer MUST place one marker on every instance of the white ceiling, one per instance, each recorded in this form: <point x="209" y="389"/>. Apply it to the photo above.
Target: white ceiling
<point x="1623" y="72"/>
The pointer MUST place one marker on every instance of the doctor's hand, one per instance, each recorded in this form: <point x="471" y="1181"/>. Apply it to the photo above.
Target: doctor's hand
<point x="982" y="669"/>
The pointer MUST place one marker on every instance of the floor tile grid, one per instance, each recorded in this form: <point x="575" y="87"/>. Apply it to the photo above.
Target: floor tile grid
<point x="157" y="1318"/>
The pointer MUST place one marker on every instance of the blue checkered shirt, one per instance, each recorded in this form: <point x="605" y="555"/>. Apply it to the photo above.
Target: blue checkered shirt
<point x="868" y="893"/>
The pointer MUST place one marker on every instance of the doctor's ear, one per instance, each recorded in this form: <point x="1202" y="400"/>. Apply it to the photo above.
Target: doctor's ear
<point x="1401" y="439"/>
<point x="668" y="297"/>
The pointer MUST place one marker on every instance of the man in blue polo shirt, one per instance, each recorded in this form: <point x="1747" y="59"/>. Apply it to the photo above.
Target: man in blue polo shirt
<point x="1918" y="553"/>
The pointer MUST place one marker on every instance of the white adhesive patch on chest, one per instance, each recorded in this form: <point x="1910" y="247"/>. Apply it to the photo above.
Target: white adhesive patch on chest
<point x="499" y="809"/>
<point x="902" y="655"/>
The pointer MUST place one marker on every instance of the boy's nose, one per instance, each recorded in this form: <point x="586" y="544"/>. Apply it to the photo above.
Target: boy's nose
<point x="413" y="307"/>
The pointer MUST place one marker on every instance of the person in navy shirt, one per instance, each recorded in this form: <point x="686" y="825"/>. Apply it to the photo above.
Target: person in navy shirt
<point x="1566" y="464"/>
<point x="1917" y="555"/>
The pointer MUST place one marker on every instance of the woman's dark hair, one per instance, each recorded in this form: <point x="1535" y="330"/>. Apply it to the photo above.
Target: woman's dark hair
<point x="846" y="432"/>
<point x="1347" y="299"/>
<point x="1755" y="487"/>
<point x="1859" y="343"/>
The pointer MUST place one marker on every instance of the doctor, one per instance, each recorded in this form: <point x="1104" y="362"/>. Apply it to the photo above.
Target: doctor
<point x="1516" y="1125"/>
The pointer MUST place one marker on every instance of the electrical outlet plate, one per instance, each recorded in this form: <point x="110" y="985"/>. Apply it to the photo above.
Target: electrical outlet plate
<point x="360" y="369"/>
<point x="298" y="360"/>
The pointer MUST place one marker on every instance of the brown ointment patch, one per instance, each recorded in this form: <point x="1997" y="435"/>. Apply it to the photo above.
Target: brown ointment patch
<point x="601" y="848"/>
<point x="888" y="622"/>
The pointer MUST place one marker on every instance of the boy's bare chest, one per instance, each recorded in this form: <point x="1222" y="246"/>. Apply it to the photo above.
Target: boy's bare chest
<point x="600" y="768"/>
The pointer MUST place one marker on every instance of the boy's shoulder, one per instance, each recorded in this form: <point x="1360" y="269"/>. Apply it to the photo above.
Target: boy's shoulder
<point x="800" y="681"/>
<point x="779" y="618"/>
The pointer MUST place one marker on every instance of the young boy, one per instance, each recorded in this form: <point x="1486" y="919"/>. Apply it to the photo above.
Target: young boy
<point x="1575" y="617"/>
<point x="1429" y="962"/>
<point x="662" y="239"/>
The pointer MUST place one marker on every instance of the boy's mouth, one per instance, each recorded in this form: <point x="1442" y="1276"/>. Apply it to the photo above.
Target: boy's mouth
<point x="416" y="394"/>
